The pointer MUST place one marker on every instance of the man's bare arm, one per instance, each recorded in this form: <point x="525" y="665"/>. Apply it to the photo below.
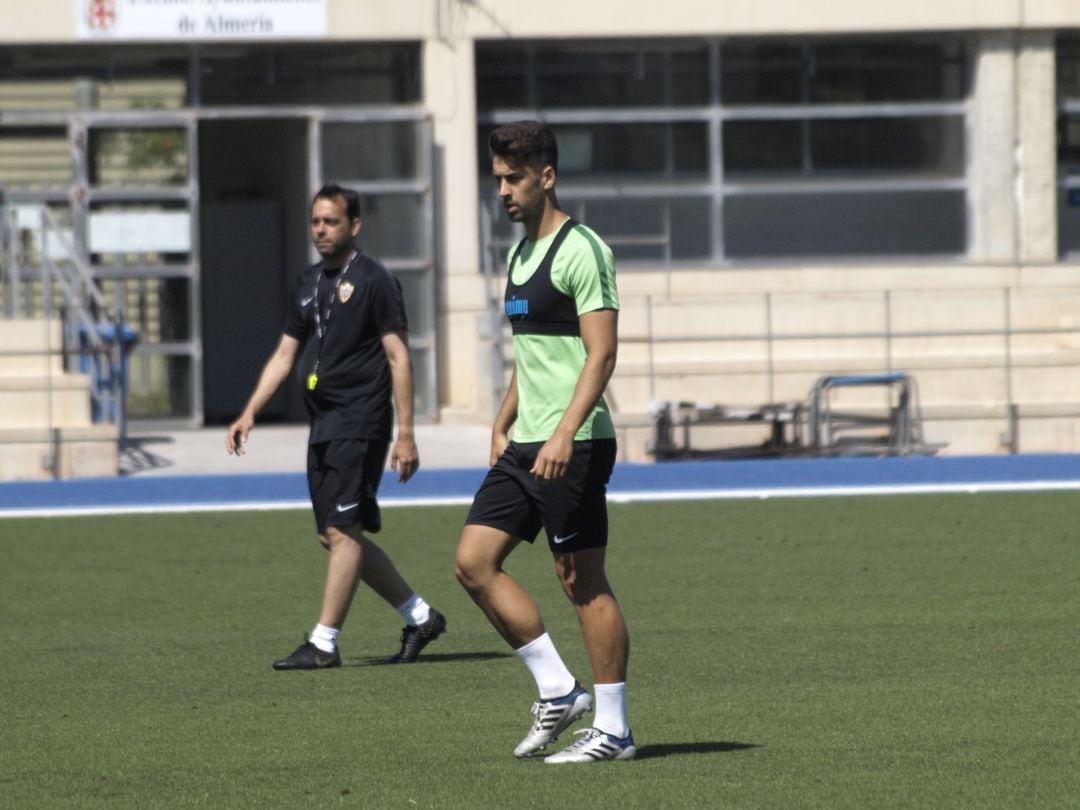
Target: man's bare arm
<point x="274" y="373"/>
<point x="404" y="456"/>
<point x="600" y="334"/>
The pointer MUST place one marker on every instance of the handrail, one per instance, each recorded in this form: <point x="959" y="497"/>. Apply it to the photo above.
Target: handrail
<point x="999" y="324"/>
<point x="85" y="308"/>
<point x="82" y="269"/>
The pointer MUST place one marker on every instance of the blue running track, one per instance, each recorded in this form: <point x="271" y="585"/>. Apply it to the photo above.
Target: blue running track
<point x="679" y="480"/>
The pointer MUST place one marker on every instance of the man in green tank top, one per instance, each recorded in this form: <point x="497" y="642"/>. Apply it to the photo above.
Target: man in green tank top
<point x="562" y="304"/>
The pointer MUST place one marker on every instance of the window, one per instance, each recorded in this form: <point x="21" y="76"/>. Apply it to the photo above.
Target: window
<point x="843" y="72"/>
<point x="1068" y="147"/>
<point x="135" y="77"/>
<point x="138" y="157"/>
<point x="712" y="152"/>
<point x="591" y="74"/>
<point x="141" y="77"/>
<point x="325" y="74"/>
<point x="35" y="158"/>
<point x="111" y="139"/>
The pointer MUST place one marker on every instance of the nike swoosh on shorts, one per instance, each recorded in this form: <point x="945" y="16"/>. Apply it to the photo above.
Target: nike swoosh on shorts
<point x="345" y="507"/>
<point x="558" y="540"/>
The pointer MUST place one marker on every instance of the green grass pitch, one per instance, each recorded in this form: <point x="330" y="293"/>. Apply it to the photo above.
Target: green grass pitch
<point x="908" y="651"/>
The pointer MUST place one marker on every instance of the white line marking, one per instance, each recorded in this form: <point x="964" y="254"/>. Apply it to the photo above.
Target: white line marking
<point x="636" y="496"/>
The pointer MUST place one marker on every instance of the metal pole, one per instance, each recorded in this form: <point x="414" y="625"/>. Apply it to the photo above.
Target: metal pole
<point x="14" y="287"/>
<point x="649" y="344"/>
<point x="1013" y="418"/>
<point x="5" y="257"/>
<point x="769" y="346"/>
<point x="888" y="331"/>
<point x="52" y="454"/>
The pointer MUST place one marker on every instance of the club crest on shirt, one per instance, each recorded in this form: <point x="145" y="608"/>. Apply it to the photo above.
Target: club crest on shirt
<point x="345" y="291"/>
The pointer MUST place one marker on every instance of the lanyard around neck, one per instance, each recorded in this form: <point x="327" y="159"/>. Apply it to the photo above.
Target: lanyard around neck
<point x="320" y="327"/>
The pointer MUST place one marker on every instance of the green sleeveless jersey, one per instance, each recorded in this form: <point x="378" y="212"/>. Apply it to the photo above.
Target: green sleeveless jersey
<point x="548" y="366"/>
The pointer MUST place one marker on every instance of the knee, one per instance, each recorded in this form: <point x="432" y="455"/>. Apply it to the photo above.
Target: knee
<point x="334" y="536"/>
<point x="582" y="577"/>
<point x="472" y="571"/>
<point x="467" y="573"/>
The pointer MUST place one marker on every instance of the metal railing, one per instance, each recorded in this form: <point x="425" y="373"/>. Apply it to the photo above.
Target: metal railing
<point x="41" y="264"/>
<point x="996" y="331"/>
<point x="995" y="325"/>
<point x="770" y="336"/>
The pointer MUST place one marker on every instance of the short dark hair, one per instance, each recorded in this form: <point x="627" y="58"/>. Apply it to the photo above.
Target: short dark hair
<point x="332" y="191"/>
<point x="527" y="143"/>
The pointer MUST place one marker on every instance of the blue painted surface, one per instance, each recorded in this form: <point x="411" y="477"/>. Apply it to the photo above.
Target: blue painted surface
<point x="848" y="472"/>
<point x="668" y="477"/>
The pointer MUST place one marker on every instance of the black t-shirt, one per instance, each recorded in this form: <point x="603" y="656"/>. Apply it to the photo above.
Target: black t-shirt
<point x="342" y="344"/>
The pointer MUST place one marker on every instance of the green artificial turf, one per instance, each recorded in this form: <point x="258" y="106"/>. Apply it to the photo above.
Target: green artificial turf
<point x="910" y="651"/>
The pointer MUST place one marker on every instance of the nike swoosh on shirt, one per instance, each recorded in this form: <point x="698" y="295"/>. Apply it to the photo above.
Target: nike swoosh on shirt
<point x="345" y="507"/>
<point x="558" y="540"/>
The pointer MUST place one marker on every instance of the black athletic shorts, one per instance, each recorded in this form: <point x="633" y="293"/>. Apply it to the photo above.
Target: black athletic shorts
<point x="343" y="479"/>
<point x="573" y="510"/>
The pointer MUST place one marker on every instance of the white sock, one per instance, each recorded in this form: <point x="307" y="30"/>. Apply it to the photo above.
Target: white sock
<point x="552" y="677"/>
<point x="611" y="709"/>
<point x="415" y="610"/>
<point x="325" y="638"/>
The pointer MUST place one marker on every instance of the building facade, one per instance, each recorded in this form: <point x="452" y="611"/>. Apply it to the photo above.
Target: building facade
<point x="791" y="189"/>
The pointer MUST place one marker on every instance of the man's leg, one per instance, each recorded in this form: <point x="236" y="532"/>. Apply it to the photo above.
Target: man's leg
<point x="344" y="565"/>
<point x="344" y="561"/>
<point x="423" y="623"/>
<point x="607" y="642"/>
<point x="479" y="567"/>
<point x="481" y="553"/>
<point x="584" y="580"/>
<point x="353" y="557"/>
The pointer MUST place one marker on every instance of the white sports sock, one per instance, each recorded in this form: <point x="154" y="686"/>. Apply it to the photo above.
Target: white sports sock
<point x="611" y="709"/>
<point x="552" y="677"/>
<point x="415" y="610"/>
<point x="325" y="638"/>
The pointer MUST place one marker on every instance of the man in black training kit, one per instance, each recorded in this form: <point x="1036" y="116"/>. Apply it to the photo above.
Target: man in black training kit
<point x="346" y="323"/>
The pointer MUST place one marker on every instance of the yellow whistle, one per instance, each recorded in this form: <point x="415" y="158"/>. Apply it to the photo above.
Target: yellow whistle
<point x="312" y="381"/>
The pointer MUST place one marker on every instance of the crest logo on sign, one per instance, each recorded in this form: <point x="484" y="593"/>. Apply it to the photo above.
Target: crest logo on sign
<point x="101" y="15"/>
<point x="345" y="292"/>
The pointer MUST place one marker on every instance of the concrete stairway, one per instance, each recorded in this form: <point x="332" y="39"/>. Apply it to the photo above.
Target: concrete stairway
<point x="46" y="429"/>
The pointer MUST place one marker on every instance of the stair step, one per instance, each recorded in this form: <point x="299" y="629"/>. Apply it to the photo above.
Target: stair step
<point x="28" y="454"/>
<point x="30" y="345"/>
<point x="41" y="401"/>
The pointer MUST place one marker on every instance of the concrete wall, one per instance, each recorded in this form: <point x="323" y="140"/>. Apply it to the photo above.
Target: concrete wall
<point x="1012" y="166"/>
<point x="1013" y="216"/>
<point x="53" y="21"/>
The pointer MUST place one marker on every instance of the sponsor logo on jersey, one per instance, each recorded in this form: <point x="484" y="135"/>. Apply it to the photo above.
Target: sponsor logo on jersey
<point x="517" y="306"/>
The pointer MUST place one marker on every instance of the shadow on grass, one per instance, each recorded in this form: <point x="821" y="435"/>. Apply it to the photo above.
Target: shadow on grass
<point x="676" y="749"/>
<point x="431" y="658"/>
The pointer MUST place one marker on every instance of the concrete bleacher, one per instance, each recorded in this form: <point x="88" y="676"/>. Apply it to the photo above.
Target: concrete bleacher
<point x="998" y="369"/>
<point x="46" y="429"/>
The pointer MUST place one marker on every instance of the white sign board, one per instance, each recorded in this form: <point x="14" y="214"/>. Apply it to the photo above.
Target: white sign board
<point x="51" y="241"/>
<point x="196" y="20"/>
<point x="139" y="232"/>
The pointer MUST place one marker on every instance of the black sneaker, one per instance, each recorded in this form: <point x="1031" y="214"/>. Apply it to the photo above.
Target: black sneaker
<point x="414" y="639"/>
<point x="308" y="656"/>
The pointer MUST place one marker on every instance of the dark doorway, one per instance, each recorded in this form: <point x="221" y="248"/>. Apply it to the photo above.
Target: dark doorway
<point x="253" y="181"/>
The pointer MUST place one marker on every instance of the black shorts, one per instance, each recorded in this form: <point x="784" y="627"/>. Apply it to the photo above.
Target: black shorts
<point x="343" y="479"/>
<point x="573" y="510"/>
